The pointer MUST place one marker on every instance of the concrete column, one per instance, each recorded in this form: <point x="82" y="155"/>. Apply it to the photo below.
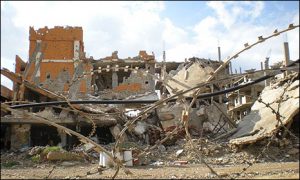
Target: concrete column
<point x="238" y="97"/>
<point x="267" y="63"/>
<point x="212" y="90"/>
<point x="22" y="92"/>
<point x="63" y="138"/>
<point x="76" y="49"/>
<point x="253" y="93"/>
<point x="219" y="53"/>
<point x="286" y="55"/>
<point x="114" y="79"/>
<point x="20" y="136"/>
<point x="16" y="88"/>
<point x="220" y="98"/>
<point x="265" y="73"/>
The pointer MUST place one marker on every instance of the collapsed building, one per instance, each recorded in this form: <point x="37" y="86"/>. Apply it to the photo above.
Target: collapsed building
<point x="59" y="70"/>
<point x="240" y="101"/>
<point x="58" y="65"/>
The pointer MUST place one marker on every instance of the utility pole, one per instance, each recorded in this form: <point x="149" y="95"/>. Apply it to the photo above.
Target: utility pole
<point x="163" y="71"/>
<point x="265" y="72"/>
<point x="164" y="62"/>
<point x="286" y="56"/>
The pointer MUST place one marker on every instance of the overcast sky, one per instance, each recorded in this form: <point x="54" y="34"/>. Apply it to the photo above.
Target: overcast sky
<point x="187" y="28"/>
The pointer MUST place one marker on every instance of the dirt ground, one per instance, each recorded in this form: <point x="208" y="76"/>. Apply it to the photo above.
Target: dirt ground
<point x="286" y="170"/>
<point x="279" y="161"/>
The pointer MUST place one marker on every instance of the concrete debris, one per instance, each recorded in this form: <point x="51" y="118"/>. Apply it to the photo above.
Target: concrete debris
<point x="63" y="156"/>
<point x="179" y="152"/>
<point x="161" y="148"/>
<point x="157" y="163"/>
<point x="88" y="147"/>
<point x="69" y="163"/>
<point x="180" y="162"/>
<point x="217" y="125"/>
<point x="261" y="122"/>
<point x="293" y="151"/>
<point x="36" y="150"/>
<point x="184" y="77"/>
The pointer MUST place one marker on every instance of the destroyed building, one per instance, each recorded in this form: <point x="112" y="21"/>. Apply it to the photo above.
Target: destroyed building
<point x="59" y="70"/>
<point x="58" y="65"/>
<point x="241" y="100"/>
<point x="116" y="78"/>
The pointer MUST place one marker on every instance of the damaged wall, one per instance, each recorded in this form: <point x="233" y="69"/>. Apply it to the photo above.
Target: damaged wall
<point x="190" y="74"/>
<point x="59" y="41"/>
<point x="53" y="54"/>
<point x="206" y="116"/>
<point x="261" y="122"/>
<point x="116" y="78"/>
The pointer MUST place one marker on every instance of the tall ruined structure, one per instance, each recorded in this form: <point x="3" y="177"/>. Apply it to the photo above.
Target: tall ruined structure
<point x="55" y="56"/>
<point x="116" y="78"/>
<point x="57" y="66"/>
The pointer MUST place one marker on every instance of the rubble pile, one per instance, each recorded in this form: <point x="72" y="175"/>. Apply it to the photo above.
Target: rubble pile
<point x="181" y="153"/>
<point x="223" y="154"/>
<point x="112" y="110"/>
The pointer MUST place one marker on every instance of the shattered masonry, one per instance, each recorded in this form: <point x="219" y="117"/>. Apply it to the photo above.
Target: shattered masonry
<point x="58" y="66"/>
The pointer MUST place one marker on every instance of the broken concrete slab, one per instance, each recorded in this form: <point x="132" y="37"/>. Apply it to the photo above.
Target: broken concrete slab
<point x="115" y="131"/>
<point x="185" y="77"/>
<point x="261" y="122"/>
<point x="63" y="156"/>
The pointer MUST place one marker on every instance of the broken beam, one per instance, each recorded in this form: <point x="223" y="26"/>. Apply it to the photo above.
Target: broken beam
<point x="11" y="75"/>
<point x="42" y="91"/>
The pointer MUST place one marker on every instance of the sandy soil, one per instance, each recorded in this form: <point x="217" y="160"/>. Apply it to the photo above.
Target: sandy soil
<point x="286" y="170"/>
<point x="279" y="161"/>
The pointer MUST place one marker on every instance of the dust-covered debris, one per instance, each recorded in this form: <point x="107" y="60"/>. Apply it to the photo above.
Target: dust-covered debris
<point x="187" y="127"/>
<point x="262" y="121"/>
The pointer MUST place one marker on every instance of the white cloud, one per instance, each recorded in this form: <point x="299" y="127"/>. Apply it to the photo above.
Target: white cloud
<point x="230" y="28"/>
<point x="132" y="26"/>
<point x="107" y="26"/>
<point x="181" y="51"/>
<point x="173" y="35"/>
<point x="257" y="9"/>
<point x="113" y="25"/>
<point x="224" y="16"/>
<point x="6" y="82"/>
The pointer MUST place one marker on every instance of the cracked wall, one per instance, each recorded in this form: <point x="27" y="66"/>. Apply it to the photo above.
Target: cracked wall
<point x="55" y="59"/>
<point x="117" y="78"/>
